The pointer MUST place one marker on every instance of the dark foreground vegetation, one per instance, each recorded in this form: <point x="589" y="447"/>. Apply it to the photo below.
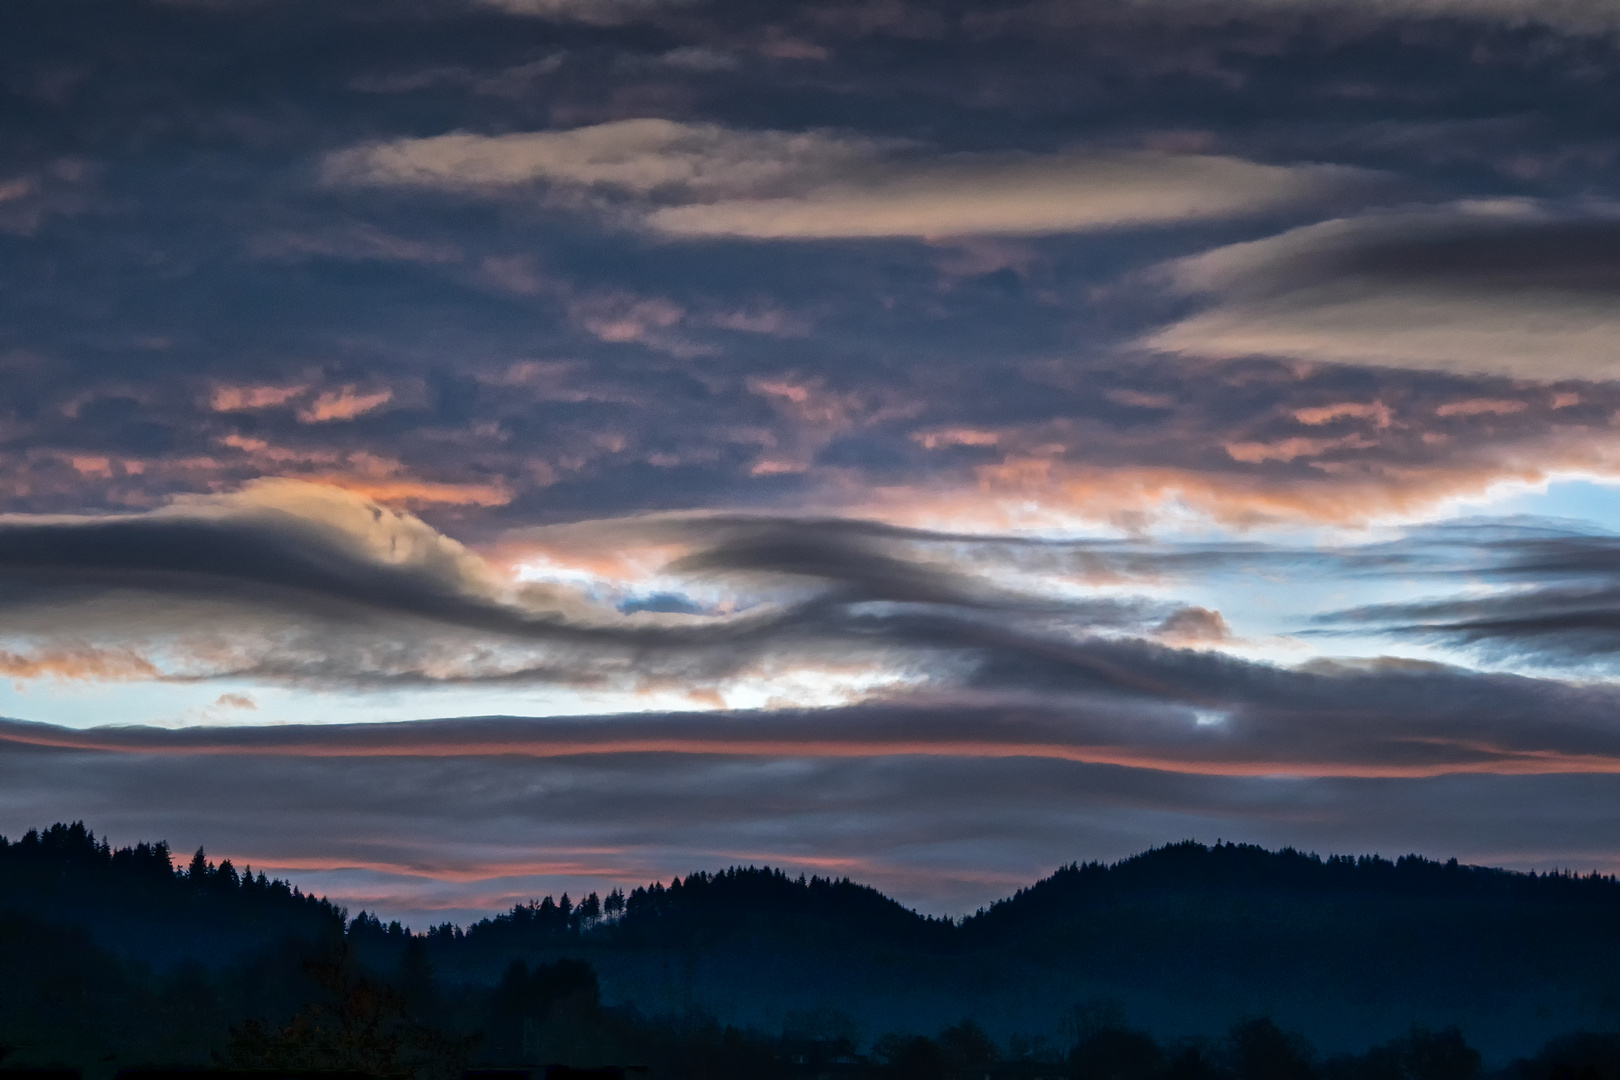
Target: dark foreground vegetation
<point x="1225" y="963"/>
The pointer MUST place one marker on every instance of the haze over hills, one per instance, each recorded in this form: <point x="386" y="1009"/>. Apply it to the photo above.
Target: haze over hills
<point x="1183" y="940"/>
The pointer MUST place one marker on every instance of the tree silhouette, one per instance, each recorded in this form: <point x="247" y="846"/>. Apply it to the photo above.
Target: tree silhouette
<point x="357" y="1024"/>
<point x="1263" y="1051"/>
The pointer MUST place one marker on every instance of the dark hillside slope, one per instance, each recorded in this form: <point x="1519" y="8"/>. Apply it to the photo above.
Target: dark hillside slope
<point x="747" y="945"/>
<point x="1186" y="939"/>
<point x="1190" y="868"/>
<point x="136" y="902"/>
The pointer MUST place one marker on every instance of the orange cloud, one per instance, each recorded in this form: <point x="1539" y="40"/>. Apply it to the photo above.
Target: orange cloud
<point x="1376" y="411"/>
<point x="1194" y="626"/>
<point x="78" y="664"/>
<point x="243" y="398"/>
<point x="374" y="477"/>
<point x="420" y="492"/>
<point x="86" y="465"/>
<point x="1481" y="407"/>
<point x="1042" y="477"/>
<point x="269" y="455"/>
<point x="624" y="318"/>
<point x="560" y="867"/>
<point x="1253" y="453"/>
<point x="933" y="440"/>
<point x="1137" y="399"/>
<point x="345" y="403"/>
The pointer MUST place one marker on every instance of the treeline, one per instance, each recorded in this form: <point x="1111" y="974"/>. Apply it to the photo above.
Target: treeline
<point x="65" y="870"/>
<point x="406" y="1025"/>
<point x="731" y="899"/>
<point x="700" y="905"/>
<point x="1193" y="867"/>
<point x="123" y="955"/>
<point x="136" y="900"/>
<point x="552" y="1013"/>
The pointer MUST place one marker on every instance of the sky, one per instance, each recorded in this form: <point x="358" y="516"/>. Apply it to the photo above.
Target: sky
<point x="458" y="451"/>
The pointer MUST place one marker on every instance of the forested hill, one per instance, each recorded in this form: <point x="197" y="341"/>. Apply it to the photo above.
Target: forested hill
<point x="137" y="902"/>
<point x="1185" y="939"/>
<point x="65" y="873"/>
<point x="708" y="908"/>
<point x="1192" y="870"/>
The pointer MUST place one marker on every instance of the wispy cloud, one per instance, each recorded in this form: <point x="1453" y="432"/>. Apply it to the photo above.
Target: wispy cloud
<point x="598" y="12"/>
<point x="1553" y="596"/>
<point x="1580" y="16"/>
<point x="1010" y="197"/>
<point x="705" y="180"/>
<point x="1502" y="288"/>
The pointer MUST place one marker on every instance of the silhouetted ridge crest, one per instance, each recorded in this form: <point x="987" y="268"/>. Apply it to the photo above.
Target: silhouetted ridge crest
<point x="65" y="870"/>
<point x="703" y="905"/>
<point x="136" y="899"/>
<point x="1191" y="867"/>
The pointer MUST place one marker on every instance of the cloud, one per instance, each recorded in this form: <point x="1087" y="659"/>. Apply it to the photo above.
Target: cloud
<point x="698" y="58"/>
<point x="272" y="538"/>
<point x="290" y="583"/>
<point x="522" y="234"/>
<point x="1067" y="474"/>
<point x="1273" y="723"/>
<point x="639" y="157"/>
<point x="1579" y="16"/>
<point x="594" y="12"/>
<point x="1014" y="197"/>
<point x="949" y="805"/>
<point x="345" y="403"/>
<point x="295" y="582"/>
<point x="355" y="243"/>
<point x="715" y="181"/>
<point x="1026" y="695"/>
<point x="81" y="663"/>
<point x="1195" y="626"/>
<point x="234" y="398"/>
<point x="29" y="199"/>
<point x="1512" y="288"/>
<point x="1551" y="595"/>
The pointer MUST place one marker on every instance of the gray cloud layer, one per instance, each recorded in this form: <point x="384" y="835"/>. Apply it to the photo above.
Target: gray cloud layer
<point x="293" y="581"/>
<point x="449" y="836"/>
<point x="1500" y="289"/>
<point x="1555" y="598"/>
<point x="378" y="598"/>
